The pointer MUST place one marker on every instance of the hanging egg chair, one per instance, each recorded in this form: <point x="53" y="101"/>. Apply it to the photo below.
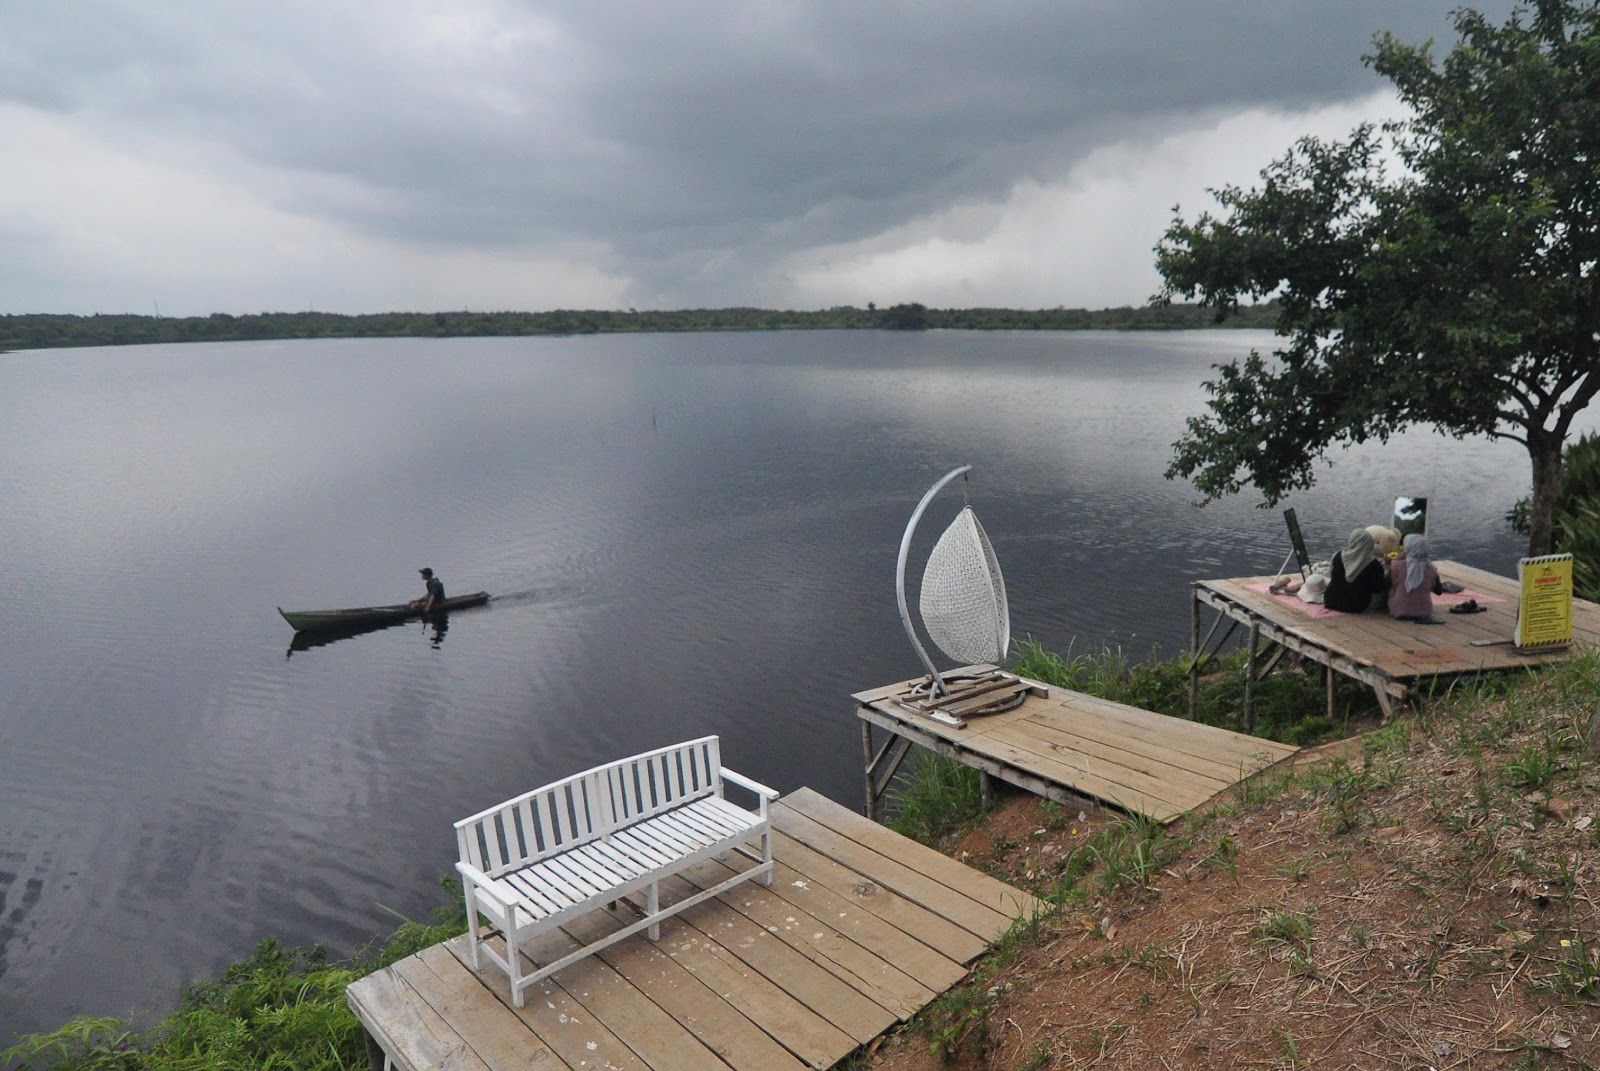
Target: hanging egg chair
<point x="963" y="597"/>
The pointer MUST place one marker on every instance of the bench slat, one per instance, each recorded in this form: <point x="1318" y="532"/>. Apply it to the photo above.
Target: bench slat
<point x="535" y="893"/>
<point x="697" y="838"/>
<point x="645" y="851"/>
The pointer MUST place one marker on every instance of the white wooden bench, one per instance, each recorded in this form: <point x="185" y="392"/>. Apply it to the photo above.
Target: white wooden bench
<point x="534" y="862"/>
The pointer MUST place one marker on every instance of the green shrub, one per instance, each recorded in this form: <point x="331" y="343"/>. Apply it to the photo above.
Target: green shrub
<point x="937" y="796"/>
<point x="1577" y="514"/>
<point x="283" y="1008"/>
<point x="1290" y="705"/>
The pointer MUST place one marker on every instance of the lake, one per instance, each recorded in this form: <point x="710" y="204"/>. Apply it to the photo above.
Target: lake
<point x="688" y="534"/>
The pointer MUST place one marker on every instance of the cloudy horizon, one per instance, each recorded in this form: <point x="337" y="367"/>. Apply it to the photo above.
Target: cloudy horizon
<point x="490" y="154"/>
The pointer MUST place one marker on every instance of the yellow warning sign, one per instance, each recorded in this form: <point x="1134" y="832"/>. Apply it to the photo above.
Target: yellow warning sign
<point x="1544" y="617"/>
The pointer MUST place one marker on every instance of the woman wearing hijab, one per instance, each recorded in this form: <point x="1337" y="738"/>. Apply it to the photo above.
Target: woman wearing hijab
<point x="1358" y="576"/>
<point x="1413" y="582"/>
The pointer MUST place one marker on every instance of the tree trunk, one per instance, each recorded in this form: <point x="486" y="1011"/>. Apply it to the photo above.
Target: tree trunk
<point x="1545" y="451"/>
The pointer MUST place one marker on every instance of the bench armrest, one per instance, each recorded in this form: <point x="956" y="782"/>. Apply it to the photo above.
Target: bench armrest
<point x="744" y="782"/>
<point x="762" y="792"/>
<point x="486" y="885"/>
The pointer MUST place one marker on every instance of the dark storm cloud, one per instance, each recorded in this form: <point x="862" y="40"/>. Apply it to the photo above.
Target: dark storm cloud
<point x="699" y="143"/>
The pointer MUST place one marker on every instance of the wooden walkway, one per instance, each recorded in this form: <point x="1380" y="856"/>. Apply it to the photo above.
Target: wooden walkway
<point x="1389" y="656"/>
<point x="1073" y="748"/>
<point x="860" y="930"/>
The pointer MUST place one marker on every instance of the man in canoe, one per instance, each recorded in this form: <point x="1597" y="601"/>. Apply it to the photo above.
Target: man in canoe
<point x="435" y="587"/>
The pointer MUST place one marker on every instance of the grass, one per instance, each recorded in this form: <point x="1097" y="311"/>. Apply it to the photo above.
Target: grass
<point x="1291" y="705"/>
<point x="283" y="1008"/>
<point x="937" y="796"/>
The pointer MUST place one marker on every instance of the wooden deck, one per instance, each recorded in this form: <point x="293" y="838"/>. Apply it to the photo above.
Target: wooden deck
<point x="860" y="930"/>
<point x="1073" y="747"/>
<point x="1390" y="656"/>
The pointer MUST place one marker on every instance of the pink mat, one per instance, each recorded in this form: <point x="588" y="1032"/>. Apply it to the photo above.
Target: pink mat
<point x="1311" y="609"/>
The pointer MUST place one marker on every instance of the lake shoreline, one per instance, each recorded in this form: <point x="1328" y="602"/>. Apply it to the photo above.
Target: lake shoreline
<point x="37" y="331"/>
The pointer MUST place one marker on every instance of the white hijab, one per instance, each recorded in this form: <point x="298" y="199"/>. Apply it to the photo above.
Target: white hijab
<point x="1358" y="555"/>
<point x="1416" y="546"/>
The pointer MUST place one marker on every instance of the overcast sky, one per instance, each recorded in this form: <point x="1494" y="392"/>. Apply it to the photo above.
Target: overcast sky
<point x="494" y="154"/>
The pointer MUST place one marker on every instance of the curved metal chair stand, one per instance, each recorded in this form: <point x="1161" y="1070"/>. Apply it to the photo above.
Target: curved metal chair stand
<point x="963" y="597"/>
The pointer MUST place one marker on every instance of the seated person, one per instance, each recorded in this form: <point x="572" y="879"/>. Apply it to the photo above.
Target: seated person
<point x="1358" y="576"/>
<point x="1413" y="582"/>
<point x="1385" y="541"/>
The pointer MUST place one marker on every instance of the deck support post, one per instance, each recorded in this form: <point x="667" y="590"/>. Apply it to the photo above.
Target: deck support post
<point x="882" y="766"/>
<point x="1250" y="678"/>
<point x="985" y="789"/>
<point x="1194" y="650"/>
<point x="1327" y="683"/>
<point x="377" y="1059"/>
<point x="871" y="810"/>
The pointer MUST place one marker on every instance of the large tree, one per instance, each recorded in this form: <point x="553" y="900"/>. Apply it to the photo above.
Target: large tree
<point x="1443" y="270"/>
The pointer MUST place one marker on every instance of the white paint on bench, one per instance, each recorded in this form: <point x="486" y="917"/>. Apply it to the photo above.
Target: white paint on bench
<point x="532" y="863"/>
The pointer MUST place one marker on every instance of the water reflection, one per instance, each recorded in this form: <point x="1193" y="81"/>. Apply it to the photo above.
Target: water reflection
<point x="305" y="641"/>
<point x="434" y="626"/>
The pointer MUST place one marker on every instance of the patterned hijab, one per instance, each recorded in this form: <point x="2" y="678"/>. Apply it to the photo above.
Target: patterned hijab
<point x="1358" y="555"/>
<point x="1416" y="560"/>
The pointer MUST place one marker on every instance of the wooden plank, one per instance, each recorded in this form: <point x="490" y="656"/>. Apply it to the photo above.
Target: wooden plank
<point x="971" y="882"/>
<point x="1133" y="766"/>
<point x="413" y="1035"/>
<point x="1049" y="771"/>
<point x="719" y="1025"/>
<point x="1218" y="765"/>
<point x="911" y="918"/>
<point x="796" y="1027"/>
<point x="1181" y="734"/>
<point x="1027" y="779"/>
<point x="1074" y="754"/>
<point x="817" y="939"/>
<point x="1098" y="738"/>
<point x="551" y="1012"/>
<point x="638" y="1021"/>
<point x="983" y="921"/>
<point x="846" y="1007"/>
<point x="501" y="1040"/>
<point x="919" y="960"/>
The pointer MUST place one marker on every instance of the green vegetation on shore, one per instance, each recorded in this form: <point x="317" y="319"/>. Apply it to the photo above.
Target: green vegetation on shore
<point x="1576" y="518"/>
<point x="43" y="331"/>
<point x="282" y="1008"/>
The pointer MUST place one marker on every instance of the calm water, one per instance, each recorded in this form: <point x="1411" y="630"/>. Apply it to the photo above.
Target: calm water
<point x="692" y="534"/>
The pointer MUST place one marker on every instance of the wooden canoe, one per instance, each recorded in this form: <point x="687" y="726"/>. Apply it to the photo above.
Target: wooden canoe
<point x="358" y="617"/>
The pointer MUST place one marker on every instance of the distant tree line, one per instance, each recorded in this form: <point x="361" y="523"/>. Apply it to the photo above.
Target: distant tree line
<point x="40" y="331"/>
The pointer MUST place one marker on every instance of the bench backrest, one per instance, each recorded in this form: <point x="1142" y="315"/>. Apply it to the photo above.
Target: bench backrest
<point x="587" y="806"/>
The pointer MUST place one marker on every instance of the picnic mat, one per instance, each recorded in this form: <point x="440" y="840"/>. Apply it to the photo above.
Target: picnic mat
<point x="1311" y="609"/>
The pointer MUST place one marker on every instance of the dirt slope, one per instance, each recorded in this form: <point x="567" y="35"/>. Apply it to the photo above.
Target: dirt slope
<point x="1428" y="903"/>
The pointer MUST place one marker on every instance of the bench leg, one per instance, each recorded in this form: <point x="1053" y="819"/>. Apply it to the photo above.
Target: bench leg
<point x="472" y="925"/>
<point x="766" y="858"/>
<point x="652" y="907"/>
<point x="514" y="961"/>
